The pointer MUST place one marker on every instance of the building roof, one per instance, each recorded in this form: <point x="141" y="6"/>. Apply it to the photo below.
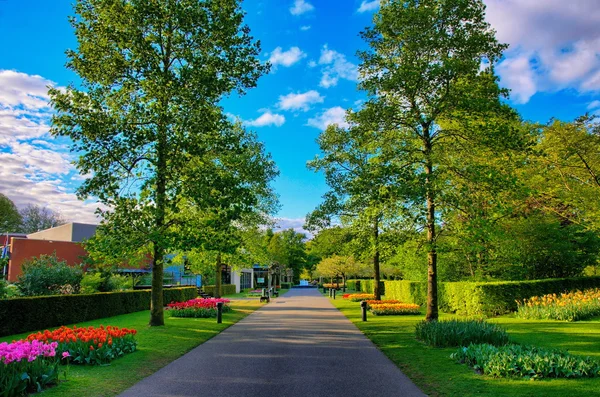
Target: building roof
<point x="74" y="232"/>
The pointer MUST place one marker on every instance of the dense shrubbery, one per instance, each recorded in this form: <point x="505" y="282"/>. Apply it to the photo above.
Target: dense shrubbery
<point x="460" y="333"/>
<point x="573" y="306"/>
<point x="286" y="285"/>
<point x="480" y="299"/>
<point x="93" y="282"/>
<point x="35" y="313"/>
<point x="47" y="275"/>
<point x="526" y="361"/>
<point x="226" y="289"/>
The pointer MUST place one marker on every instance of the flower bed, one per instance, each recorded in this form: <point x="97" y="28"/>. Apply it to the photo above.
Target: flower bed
<point x="395" y="309"/>
<point x="333" y="285"/>
<point x="27" y="366"/>
<point x="358" y="297"/>
<point x="572" y="306"/>
<point x="381" y="302"/>
<point x="526" y="361"/>
<point x="197" y="308"/>
<point x="89" y="345"/>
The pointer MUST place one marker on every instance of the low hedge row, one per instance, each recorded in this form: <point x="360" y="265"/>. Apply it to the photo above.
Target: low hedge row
<point x="479" y="298"/>
<point x="41" y="312"/>
<point x="365" y="285"/>
<point x="226" y="289"/>
<point x="286" y="285"/>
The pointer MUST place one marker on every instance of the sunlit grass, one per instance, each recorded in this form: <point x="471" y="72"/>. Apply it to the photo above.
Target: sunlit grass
<point x="438" y="375"/>
<point x="157" y="346"/>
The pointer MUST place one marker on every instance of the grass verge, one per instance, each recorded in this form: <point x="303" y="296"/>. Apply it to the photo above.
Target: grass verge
<point x="438" y="375"/>
<point x="157" y="347"/>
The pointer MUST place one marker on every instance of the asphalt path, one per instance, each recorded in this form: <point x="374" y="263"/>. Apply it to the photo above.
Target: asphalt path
<point x="296" y="346"/>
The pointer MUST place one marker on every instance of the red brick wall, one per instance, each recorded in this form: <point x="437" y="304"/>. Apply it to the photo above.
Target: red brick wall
<point x="23" y="249"/>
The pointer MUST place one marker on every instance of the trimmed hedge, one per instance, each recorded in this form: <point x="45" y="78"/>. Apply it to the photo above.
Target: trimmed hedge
<point x="226" y="289"/>
<point x="42" y="312"/>
<point x="366" y="286"/>
<point x="286" y="285"/>
<point x="480" y="298"/>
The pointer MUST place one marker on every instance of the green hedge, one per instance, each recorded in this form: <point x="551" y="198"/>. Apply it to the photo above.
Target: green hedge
<point x="483" y="299"/>
<point x="286" y="285"/>
<point x="41" y="312"/>
<point x="365" y="286"/>
<point x="226" y="289"/>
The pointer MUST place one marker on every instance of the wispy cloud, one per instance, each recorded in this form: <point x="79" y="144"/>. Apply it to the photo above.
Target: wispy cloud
<point x="267" y="119"/>
<point x="286" y="58"/>
<point x="335" y="67"/>
<point x="305" y="27"/>
<point x="334" y="115"/>
<point x="366" y="5"/>
<point x="297" y="224"/>
<point x="300" y="7"/>
<point x="299" y="101"/>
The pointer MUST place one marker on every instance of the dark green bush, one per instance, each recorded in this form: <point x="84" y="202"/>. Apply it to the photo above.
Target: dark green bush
<point x="483" y="299"/>
<point x="455" y="333"/>
<point x="226" y="289"/>
<point x="353" y="284"/>
<point x="286" y="285"/>
<point x="46" y="275"/>
<point x="38" y="313"/>
<point x="3" y="289"/>
<point x="526" y="362"/>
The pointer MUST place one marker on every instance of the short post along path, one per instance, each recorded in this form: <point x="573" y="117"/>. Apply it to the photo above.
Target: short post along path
<point x="298" y="345"/>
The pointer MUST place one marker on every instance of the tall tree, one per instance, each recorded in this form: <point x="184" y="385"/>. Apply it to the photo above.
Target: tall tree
<point x="36" y="218"/>
<point x="147" y="120"/>
<point x="10" y="218"/>
<point x="287" y="249"/>
<point x="429" y="60"/>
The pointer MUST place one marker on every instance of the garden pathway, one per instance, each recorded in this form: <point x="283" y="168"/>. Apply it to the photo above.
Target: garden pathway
<point x="298" y="345"/>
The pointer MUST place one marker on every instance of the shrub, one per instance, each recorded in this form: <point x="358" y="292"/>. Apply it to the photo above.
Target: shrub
<point x="572" y="306"/>
<point x="455" y="333"/>
<point x="47" y="275"/>
<point x="226" y="289"/>
<point x="353" y="284"/>
<point x="118" y="282"/>
<point x="484" y="299"/>
<point x="27" y="367"/>
<point x="197" y="308"/>
<point x="394" y="309"/>
<point x="89" y="345"/>
<point x="286" y="285"/>
<point x="525" y="361"/>
<point x="3" y="289"/>
<point x="35" y="313"/>
<point x="91" y="282"/>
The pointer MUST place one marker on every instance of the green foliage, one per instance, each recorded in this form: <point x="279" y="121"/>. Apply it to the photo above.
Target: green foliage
<point x="226" y="289"/>
<point x="455" y="333"/>
<point x="38" y="313"/>
<point x="368" y="285"/>
<point x="24" y="377"/>
<point x="286" y="285"/>
<point x="91" y="282"/>
<point x="480" y="298"/>
<point x="46" y="275"/>
<point x="526" y="362"/>
<point x="3" y="286"/>
<point x="36" y="218"/>
<point x="287" y="248"/>
<point x="10" y="218"/>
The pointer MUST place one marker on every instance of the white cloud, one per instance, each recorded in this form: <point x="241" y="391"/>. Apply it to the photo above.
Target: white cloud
<point x="312" y="64"/>
<point x="335" y="115"/>
<point x="336" y="67"/>
<point x="297" y="224"/>
<point x="267" y="119"/>
<point x="593" y="105"/>
<point x="300" y="7"/>
<point x="286" y="58"/>
<point x="305" y="27"/>
<point x="368" y="5"/>
<point x="560" y="40"/>
<point x="299" y="101"/>
<point x="36" y="168"/>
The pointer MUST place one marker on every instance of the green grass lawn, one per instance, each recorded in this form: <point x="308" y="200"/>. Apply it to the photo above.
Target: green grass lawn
<point x="157" y="346"/>
<point x="438" y="375"/>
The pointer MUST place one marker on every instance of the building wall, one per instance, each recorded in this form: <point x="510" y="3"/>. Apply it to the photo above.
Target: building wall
<point x="23" y="249"/>
<point x="59" y="233"/>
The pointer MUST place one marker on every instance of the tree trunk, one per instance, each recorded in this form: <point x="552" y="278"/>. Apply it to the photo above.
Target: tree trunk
<point x="218" y="276"/>
<point x="432" y="301"/>
<point x="156" y="301"/>
<point x="376" y="289"/>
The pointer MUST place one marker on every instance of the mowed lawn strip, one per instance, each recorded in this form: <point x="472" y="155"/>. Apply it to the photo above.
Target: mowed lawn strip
<point x="438" y="375"/>
<point x="157" y="347"/>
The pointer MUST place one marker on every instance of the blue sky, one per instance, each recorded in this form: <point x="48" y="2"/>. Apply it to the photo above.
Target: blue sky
<point x="552" y="68"/>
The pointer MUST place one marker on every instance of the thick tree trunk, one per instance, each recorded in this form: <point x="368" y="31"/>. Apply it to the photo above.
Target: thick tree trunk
<point x="376" y="289"/>
<point x="218" y="276"/>
<point x="432" y="300"/>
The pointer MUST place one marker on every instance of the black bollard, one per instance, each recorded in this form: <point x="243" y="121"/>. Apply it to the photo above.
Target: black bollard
<point x="363" y="306"/>
<point x="219" y="312"/>
<point x="334" y="293"/>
